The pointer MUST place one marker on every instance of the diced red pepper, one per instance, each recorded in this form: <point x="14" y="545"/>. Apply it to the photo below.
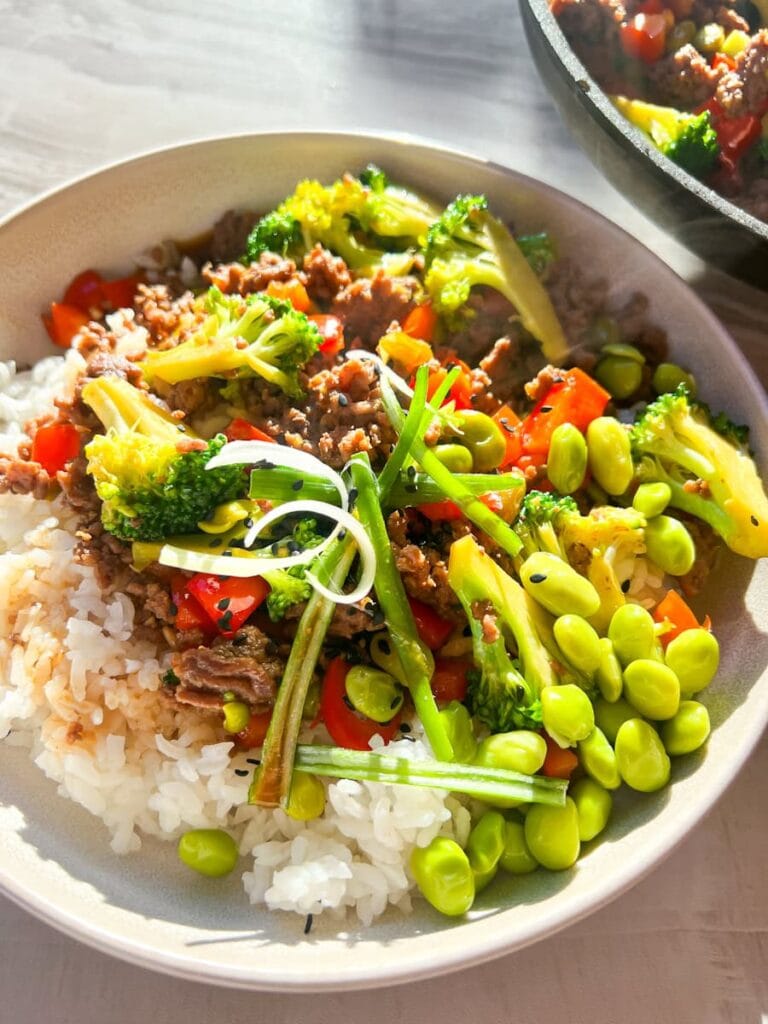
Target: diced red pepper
<point x="347" y="727"/>
<point x="332" y="330"/>
<point x="722" y="60"/>
<point x="120" y="293"/>
<point x="228" y="600"/>
<point x="433" y="629"/>
<point x="574" y="398"/>
<point x="54" y="445"/>
<point x="440" y="511"/>
<point x="189" y="612"/>
<point x="254" y="734"/>
<point x="559" y="762"/>
<point x="736" y="136"/>
<point x="421" y="322"/>
<point x="242" y="430"/>
<point x="63" y="322"/>
<point x="84" y="291"/>
<point x="675" y="612"/>
<point x="292" y="291"/>
<point x="644" y="37"/>
<point x="450" y="679"/>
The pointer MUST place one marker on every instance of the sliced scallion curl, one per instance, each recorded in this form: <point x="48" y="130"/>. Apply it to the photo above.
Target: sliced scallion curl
<point x="244" y="453"/>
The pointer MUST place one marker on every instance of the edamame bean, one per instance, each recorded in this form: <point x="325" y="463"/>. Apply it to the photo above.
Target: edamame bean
<point x="484" y="878"/>
<point x="373" y="693"/>
<point x="641" y="757"/>
<point x="567" y="713"/>
<point x="236" y="716"/>
<point x="306" y="799"/>
<point x="599" y="760"/>
<point x="552" y="835"/>
<point x="680" y="35"/>
<point x="567" y="459"/>
<point x="210" y="851"/>
<point x="610" y="456"/>
<point x="486" y="842"/>
<point x="710" y="38"/>
<point x="579" y="643"/>
<point x="668" y="377"/>
<point x="670" y="545"/>
<point x="625" y="351"/>
<point x="458" y="725"/>
<point x="484" y="439"/>
<point x="694" y="657"/>
<point x="688" y="730"/>
<point x="518" y="751"/>
<point x="619" y="376"/>
<point x="611" y="717"/>
<point x="455" y="457"/>
<point x="557" y="587"/>
<point x="632" y="633"/>
<point x="516" y="858"/>
<point x="385" y="657"/>
<point x="594" y="805"/>
<point x="444" y="875"/>
<point x="608" y="676"/>
<point x="651" y="499"/>
<point x="652" y="688"/>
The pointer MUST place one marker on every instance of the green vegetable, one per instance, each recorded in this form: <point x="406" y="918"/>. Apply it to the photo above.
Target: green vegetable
<point x="306" y="799"/>
<point x="552" y="835"/>
<point x="458" y="724"/>
<point x="609" y="454"/>
<point x="567" y="459"/>
<point x="504" y="695"/>
<point x="670" y="545"/>
<point x="519" y="751"/>
<point x="641" y="758"/>
<point x="687" y="730"/>
<point x="676" y="442"/>
<point x="652" y="688"/>
<point x="236" y="716"/>
<point x="150" y="486"/>
<point x="710" y="38"/>
<point x="593" y="805"/>
<point x="598" y="758"/>
<point x="486" y="842"/>
<point x="468" y="247"/>
<point x="455" y="457"/>
<point x="484" y="439"/>
<point x="539" y="250"/>
<point x="668" y="377"/>
<point x="604" y="331"/>
<point x="278" y="342"/>
<point x="620" y="375"/>
<point x="444" y="876"/>
<point x="633" y="634"/>
<point x="373" y="693"/>
<point x="651" y="499"/>
<point x="688" y="139"/>
<point x="567" y="714"/>
<point x="209" y="851"/>
<point x="611" y="716"/>
<point x="557" y="587"/>
<point x="516" y="858"/>
<point x="694" y="657"/>
<point x="608" y="675"/>
<point x="488" y="784"/>
<point x="421" y="489"/>
<point x="579" y="643"/>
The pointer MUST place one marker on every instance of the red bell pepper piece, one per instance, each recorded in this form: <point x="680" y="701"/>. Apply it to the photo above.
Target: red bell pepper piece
<point x="292" y="291"/>
<point x="674" y="611"/>
<point x="120" y="293"/>
<point x="421" y="322"/>
<point x="433" y="629"/>
<point x="574" y="398"/>
<point x="644" y="37"/>
<point x="559" y="763"/>
<point x="228" y="600"/>
<point x="332" y="331"/>
<point x="54" y="445"/>
<point x="84" y="291"/>
<point x="189" y="613"/>
<point x="255" y="732"/>
<point x="347" y="727"/>
<point x="450" y="679"/>
<point x="440" y="511"/>
<point x="63" y="322"/>
<point x="242" y="430"/>
<point x="722" y="60"/>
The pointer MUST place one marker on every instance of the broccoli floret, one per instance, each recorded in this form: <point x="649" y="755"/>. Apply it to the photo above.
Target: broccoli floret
<point x="467" y="247"/>
<point x="357" y="218"/>
<point x="286" y="588"/>
<point x="601" y="545"/>
<point x="150" y="470"/>
<point x="505" y="690"/>
<point x="539" y="250"/>
<point x="688" y="139"/>
<point x="279" y="341"/>
<point x="708" y="467"/>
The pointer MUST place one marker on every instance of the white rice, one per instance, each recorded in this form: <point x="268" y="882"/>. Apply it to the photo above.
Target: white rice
<point x="86" y="698"/>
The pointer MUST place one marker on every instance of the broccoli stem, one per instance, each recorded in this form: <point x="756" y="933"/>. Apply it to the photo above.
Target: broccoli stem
<point x="483" y="783"/>
<point x="272" y="782"/>
<point x="416" y="661"/>
<point x="447" y="483"/>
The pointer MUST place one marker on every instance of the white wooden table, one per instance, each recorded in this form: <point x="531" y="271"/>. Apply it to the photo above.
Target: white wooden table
<point x="84" y="84"/>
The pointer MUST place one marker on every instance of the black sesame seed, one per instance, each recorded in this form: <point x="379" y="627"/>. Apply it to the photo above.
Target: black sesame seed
<point x="223" y="604"/>
<point x="352" y="494"/>
<point x="625" y="586"/>
<point x="308" y="924"/>
<point x="242" y="772"/>
<point x="546" y="408"/>
<point x="411" y="471"/>
<point x="754" y="520"/>
<point x="558" y="380"/>
<point x="410" y="488"/>
<point x="384" y="647"/>
<point x="275" y="548"/>
<point x="226" y="554"/>
<point x="467" y="631"/>
<point x="378" y="617"/>
<point x="215" y="543"/>
<point x="173" y="609"/>
<point x="237" y="542"/>
<point x="239" y="640"/>
<point x="342" y="534"/>
<point x="225" y="621"/>
<point x="343" y="401"/>
<point x="248" y="523"/>
<point x="297" y="485"/>
<point x="293" y="547"/>
<point x="538" y="577"/>
<point x="404" y="727"/>
<point x="395" y="703"/>
<point x="253" y="760"/>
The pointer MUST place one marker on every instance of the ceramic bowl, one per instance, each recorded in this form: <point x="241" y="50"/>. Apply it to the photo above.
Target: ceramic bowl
<point x="700" y="218"/>
<point x="146" y="908"/>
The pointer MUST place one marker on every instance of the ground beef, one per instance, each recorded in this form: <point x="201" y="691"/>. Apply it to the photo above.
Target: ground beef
<point x="167" y="317"/>
<point x="577" y="298"/>
<point x="230" y="235"/>
<point x="246" y="665"/>
<point x="238" y="279"/>
<point x="484" y="613"/>
<point x="326" y="275"/>
<point x="682" y="79"/>
<point x="592" y="28"/>
<point x="538" y="387"/>
<point x="421" y="552"/>
<point x="19" y="476"/>
<point x="745" y="89"/>
<point x="370" y="305"/>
